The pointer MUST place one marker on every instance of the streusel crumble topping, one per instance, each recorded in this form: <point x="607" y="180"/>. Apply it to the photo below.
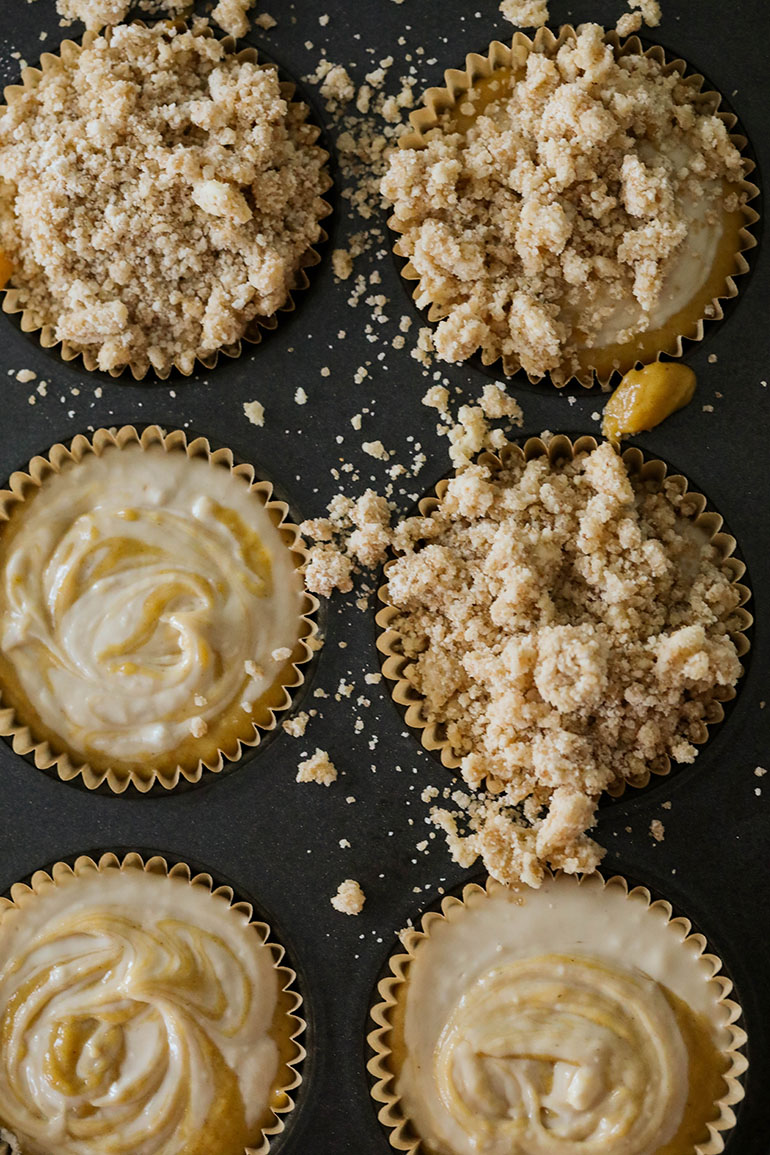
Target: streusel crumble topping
<point x="565" y="209"/>
<point x="157" y="195"/>
<point x="567" y="626"/>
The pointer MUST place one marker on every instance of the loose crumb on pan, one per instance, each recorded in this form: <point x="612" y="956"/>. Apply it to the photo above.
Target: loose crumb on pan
<point x="358" y="534"/>
<point x="96" y="14"/>
<point x="319" y="768"/>
<point x="567" y="628"/>
<point x="534" y="14"/>
<point x="295" y="727"/>
<point x="255" y="411"/>
<point x="525" y="13"/>
<point x="158" y="195"/>
<point x="657" y="830"/>
<point x="231" y="15"/>
<point x="349" y="898"/>
<point x="550" y="224"/>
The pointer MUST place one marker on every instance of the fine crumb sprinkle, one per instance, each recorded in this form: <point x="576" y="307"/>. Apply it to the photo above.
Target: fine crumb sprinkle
<point x="26" y="375"/>
<point x="582" y="177"/>
<point x="158" y="195"/>
<point x="319" y="768"/>
<point x="282" y="654"/>
<point x="657" y="830"/>
<point x="265" y="21"/>
<point x="295" y="727"/>
<point x="349" y="898"/>
<point x="255" y="411"/>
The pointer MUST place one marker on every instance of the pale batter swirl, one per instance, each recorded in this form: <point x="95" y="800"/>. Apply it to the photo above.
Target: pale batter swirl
<point x="136" y="1018"/>
<point x="147" y="599"/>
<point x="561" y="1054"/>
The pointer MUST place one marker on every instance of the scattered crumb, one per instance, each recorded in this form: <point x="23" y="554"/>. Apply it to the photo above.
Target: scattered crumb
<point x="295" y="727"/>
<point x="255" y="412"/>
<point x="657" y="830"/>
<point x="349" y="898"/>
<point x="319" y="768"/>
<point x="231" y="16"/>
<point x="525" y="13"/>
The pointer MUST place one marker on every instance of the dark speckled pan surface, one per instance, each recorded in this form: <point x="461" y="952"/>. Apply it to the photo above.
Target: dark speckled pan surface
<point x="278" y="843"/>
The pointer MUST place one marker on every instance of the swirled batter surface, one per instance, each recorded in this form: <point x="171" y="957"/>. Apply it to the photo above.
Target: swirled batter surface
<point x="143" y="597"/>
<point x="139" y="1018"/>
<point x="571" y="1020"/>
<point x="548" y="1052"/>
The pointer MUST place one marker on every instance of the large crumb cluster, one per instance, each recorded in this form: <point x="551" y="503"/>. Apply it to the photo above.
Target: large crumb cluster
<point x="95" y="14"/>
<point x="157" y="195"/>
<point x="349" y="898"/>
<point x="319" y="768"/>
<point x="567" y="192"/>
<point x="534" y="14"/>
<point x="568" y="628"/>
<point x="230" y="15"/>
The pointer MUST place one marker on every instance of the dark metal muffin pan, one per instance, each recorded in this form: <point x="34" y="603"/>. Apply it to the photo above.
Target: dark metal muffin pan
<point x="277" y="842"/>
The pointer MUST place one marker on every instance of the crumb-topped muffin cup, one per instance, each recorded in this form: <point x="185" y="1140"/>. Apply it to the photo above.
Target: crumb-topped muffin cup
<point x="537" y="326"/>
<point x="108" y="322"/>
<point x="155" y="618"/>
<point x="398" y="667"/>
<point x="466" y="1042"/>
<point x="148" y="966"/>
<point x="559" y="621"/>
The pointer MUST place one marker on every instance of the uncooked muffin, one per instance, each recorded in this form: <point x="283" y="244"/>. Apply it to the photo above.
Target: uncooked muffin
<point x="579" y="1018"/>
<point x="575" y="209"/>
<point x="159" y="196"/>
<point x="141" y="1011"/>
<point x="152" y="610"/>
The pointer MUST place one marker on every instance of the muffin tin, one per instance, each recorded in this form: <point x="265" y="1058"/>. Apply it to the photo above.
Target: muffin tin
<point x="277" y="843"/>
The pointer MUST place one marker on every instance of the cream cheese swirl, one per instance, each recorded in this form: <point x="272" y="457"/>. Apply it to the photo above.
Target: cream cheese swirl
<point x="145" y="596"/>
<point x="136" y="1012"/>
<point x="560" y="1054"/>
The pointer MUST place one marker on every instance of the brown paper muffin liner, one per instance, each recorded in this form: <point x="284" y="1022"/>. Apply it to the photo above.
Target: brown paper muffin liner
<point x="23" y="895"/>
<point x="396" y="667"/>
<point x="438" y="101"/>
<point x="68" y="52"/>
<point x="392" y="989"/>
<point x="277" y="699"/>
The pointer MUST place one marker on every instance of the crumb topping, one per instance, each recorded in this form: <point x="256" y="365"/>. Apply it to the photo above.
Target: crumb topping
<point x="567" y="627"/>
<point x="549" y="224"/>
<point x="157" y="195"/>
